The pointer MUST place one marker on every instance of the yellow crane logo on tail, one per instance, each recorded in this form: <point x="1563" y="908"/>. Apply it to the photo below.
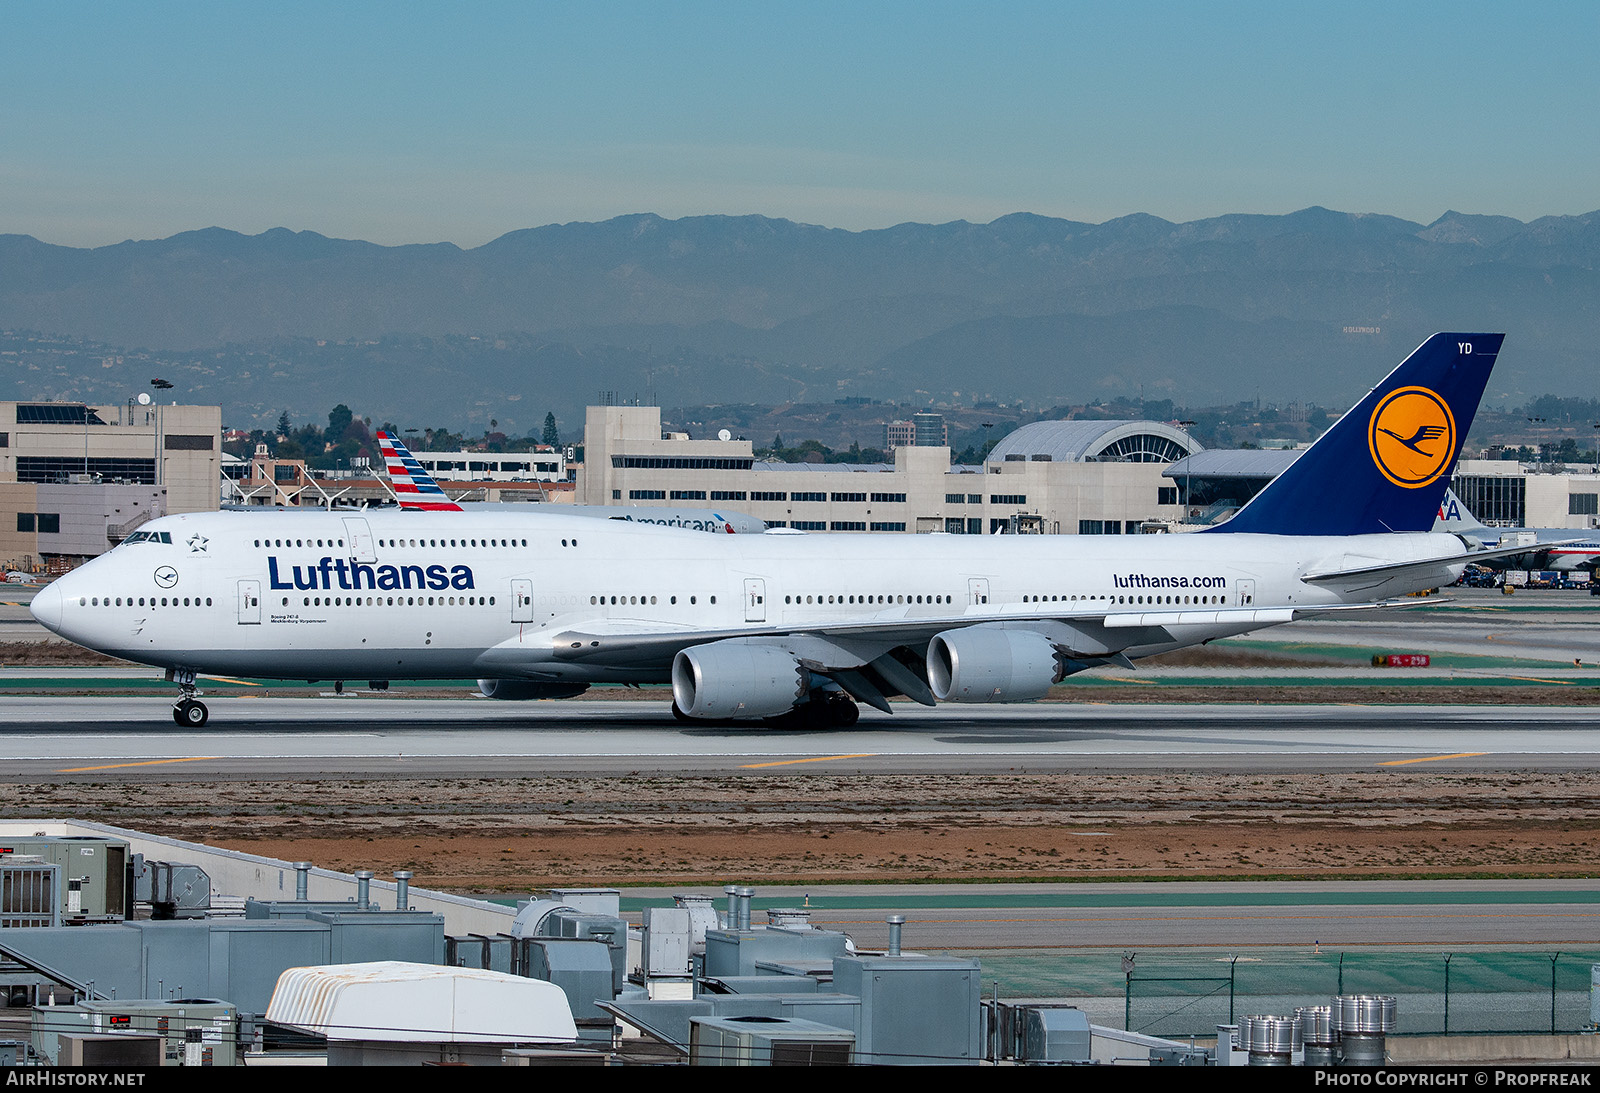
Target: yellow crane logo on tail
<point x="1412" y="436"/>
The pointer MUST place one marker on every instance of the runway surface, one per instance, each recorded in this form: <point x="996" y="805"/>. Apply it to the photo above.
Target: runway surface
<point x="43" y="737"/>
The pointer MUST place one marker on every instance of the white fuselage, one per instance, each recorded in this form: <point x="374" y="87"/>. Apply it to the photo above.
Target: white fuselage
<point x="397" y="595"/>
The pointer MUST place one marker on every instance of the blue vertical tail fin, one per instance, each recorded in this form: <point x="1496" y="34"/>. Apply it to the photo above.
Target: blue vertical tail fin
<point x="1385" y="465"/>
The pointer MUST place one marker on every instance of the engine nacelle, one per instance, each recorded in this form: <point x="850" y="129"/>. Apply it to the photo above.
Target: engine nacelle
<point x="736" y="678"/>
<point x="524" y="690"/>
<point x="992" y="664"/>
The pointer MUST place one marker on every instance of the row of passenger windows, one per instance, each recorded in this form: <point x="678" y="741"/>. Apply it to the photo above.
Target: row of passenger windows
<point x="451" y="542"/>
<point x="467" y="601"/>
<point x="393" y="601"/>
<point x="885" y="599"/>
<point x="620" y="601"/>
<point x="1175" y="600"/>
<point x="392" y="543"/>
<point x="142" y="601"/>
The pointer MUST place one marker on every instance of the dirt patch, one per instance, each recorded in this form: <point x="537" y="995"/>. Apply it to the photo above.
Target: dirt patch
<point x="55" y="654"/>
<point x="1229" y="656"/>
<point x="514" y="835"/>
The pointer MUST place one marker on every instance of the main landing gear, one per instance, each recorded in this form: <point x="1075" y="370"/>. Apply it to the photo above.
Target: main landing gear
<point x="826" y="710"/>
<point x="188" y="712"/>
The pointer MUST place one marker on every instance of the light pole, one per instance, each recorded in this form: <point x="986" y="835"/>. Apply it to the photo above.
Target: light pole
<point x="1188" y="472"/>
<point x="159" y="385"/>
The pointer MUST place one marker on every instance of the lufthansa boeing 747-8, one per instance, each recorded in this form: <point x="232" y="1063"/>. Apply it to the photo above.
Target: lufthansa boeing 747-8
<point x="794" y="628"/>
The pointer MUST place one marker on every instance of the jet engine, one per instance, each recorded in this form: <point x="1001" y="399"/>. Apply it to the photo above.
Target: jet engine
<point x="992" y="664"/>
<point x="523" y="690"/>
<point x="736" y="678"/>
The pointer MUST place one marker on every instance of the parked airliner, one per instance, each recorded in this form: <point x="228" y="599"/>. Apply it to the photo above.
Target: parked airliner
<point x="414" y="488"/>
<point x="1559" y="549"/>
<point x="791" y="628"/>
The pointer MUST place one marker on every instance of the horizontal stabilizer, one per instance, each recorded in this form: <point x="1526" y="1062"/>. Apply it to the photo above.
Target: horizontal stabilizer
<point x="1422" y="565"/>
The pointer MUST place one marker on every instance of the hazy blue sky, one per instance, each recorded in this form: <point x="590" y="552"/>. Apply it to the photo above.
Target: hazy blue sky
<point x="418" y="122"/>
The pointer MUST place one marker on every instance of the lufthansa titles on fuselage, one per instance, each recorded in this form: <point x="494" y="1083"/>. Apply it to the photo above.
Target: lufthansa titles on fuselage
<point x="330" y="573"/>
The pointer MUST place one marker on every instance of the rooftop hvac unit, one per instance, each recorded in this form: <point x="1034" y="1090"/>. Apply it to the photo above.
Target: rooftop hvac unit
<point x="93" y="873"/>
<point x="172" y="889"/>
<point x="668" y="941"/>
<point x="1037" y="1032"/>
<point x="109" y="1051"/>
<point x="767" y="1041"/>
<point x="549" y="918"/>
<point x="187" y="1031"/>
<point x="1055" y="1034"/>
<point x="29" y="892"/>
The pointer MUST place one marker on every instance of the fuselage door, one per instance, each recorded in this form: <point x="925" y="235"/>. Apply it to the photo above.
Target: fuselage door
<point x="1247" y="593"/>
<point x="521" y="601"/>
<point x="755" y="600"/>
<point x="249" y="603"/>
<point x="358" y="536"/>
<point x="977" y="590"/>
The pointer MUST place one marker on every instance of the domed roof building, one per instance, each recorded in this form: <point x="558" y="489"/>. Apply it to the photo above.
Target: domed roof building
<point x="1085" y="441"/>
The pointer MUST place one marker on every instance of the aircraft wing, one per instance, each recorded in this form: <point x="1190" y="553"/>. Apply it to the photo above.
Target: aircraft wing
<point x="867" y="658"/>
<point x="1087" y="638"/>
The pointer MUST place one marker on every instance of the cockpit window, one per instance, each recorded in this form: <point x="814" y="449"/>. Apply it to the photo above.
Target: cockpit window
<point x="148" y="537"/>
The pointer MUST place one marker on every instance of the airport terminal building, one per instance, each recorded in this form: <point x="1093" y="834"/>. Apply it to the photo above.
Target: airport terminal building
<point x="1499" y="493"/>
<point x="75" y="479"/>
<point x="1068" y="477"/>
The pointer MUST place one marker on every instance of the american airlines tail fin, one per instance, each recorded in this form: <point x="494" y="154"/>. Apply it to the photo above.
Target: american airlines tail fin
<point x="413" y="486"/>
<point x="1454" y="517"/>
<point x="1385" y="465"/>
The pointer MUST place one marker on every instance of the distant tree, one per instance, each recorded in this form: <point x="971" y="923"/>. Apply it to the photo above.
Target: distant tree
<point x="284" y="424"/>
<point x="809" y="451"/>
<point x="551" y="435"/>
<point x="339" y="419"/>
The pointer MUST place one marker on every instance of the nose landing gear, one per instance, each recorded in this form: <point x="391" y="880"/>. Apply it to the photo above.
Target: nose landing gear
<point x="188" y="712"/>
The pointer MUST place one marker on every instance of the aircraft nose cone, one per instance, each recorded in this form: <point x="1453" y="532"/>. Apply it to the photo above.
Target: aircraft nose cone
<point x="46" y="607"/>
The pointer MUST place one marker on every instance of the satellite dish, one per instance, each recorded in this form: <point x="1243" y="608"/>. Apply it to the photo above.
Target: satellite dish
<point x="144" y="398"/>
<point x="723" y="434"/>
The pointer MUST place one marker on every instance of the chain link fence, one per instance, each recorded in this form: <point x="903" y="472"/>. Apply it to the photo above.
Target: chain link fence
<point x="1436" y="992"/>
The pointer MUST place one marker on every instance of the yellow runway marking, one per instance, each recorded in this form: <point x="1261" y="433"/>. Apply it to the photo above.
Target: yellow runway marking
<point x="146" y="763"/>
<point x="1431" y="758"/>
<point x="818" y="759"/>
<point x="1535" y="679"/>
<point x="225" y="679"/>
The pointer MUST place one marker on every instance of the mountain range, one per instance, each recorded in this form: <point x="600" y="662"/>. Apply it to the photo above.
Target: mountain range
<point x="1312" y="306"/>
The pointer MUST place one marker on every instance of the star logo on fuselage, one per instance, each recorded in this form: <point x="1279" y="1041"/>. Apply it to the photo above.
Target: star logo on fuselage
<point x="197" y="543"/>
